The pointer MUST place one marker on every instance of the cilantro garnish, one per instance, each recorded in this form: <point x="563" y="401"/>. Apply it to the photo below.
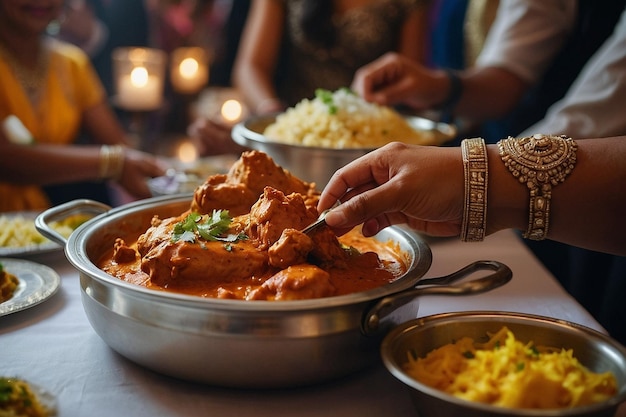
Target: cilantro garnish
<point x="209" y="227"/>
<point x="328" y="98"/>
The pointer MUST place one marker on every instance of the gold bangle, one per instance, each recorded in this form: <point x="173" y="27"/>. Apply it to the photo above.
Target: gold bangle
<point x="541" y="162"/>
<point x="111" y="162"/>
<point x="475" y="171"/>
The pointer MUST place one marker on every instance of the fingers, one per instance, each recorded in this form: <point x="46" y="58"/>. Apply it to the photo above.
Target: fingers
<point x="373" y="207"/>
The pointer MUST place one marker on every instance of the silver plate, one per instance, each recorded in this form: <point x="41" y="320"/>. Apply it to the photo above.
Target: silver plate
<point x="46" y="247"/>
<point x="37" y="284"/>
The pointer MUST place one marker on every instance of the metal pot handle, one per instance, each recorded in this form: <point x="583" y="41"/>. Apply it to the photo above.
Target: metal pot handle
<point x="440" y="286"/>
<point x="84" y="206"/>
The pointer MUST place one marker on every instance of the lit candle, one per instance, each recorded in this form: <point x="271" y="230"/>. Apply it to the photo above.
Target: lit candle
<point x="231" y="111"/>
<point x="189" y="72"/>
<point x="186" y="152"/>
<point x="139" y="90"/>
<point x="139" y="75"/>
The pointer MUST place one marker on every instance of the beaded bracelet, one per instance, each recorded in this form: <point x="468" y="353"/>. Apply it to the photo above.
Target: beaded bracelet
<point x="475" y="171"/>
<point x="541" y="162"/>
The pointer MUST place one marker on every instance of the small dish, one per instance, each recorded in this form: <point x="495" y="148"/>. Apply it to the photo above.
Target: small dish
<point x="46" y="246"/>
<point x="37" y="284"/>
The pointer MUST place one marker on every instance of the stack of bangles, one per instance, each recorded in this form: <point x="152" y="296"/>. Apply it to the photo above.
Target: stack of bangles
<point x="111" y="162"/>
<point x="540" y="162"/>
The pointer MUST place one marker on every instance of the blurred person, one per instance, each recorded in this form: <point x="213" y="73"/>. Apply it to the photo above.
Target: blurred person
<point x="533" y="52"/>
<point x="52" y="88"/>
<point x="591" y="108"/>
<point x="290" y="48"/>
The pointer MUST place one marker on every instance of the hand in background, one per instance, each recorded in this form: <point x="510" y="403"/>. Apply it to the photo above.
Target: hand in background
<point x="213" y="137"/>
<point x="395" y="79"/>
<point x="137" y="167"/>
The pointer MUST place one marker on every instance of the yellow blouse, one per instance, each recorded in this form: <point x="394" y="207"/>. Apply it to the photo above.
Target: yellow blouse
<point x="71" y="86"/>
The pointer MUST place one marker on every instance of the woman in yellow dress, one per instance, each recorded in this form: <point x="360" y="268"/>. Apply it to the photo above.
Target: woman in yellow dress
<point x="52" y="88"/>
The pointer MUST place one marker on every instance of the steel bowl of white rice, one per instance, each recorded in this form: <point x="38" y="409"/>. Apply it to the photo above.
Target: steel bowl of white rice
<point x="318" y="136"/>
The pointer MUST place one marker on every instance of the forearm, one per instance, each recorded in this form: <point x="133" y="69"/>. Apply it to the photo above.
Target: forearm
<point x="49" y="164"/>
<point x="488" y="93"/>
<point x="586" y="209"/>
<point x="257" y="89"/>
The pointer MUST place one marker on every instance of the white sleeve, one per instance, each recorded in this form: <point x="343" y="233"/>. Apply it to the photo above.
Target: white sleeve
<point x="526" y="35"/>
<point x="594" y="105"/>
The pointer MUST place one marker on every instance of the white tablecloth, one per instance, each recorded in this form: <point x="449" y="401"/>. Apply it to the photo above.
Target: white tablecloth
<point x="54" y="346"/>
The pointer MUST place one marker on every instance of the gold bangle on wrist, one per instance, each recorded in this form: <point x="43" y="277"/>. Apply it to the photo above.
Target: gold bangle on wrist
<point x="541" y="162"/>
<point x="111" y="162"/>
<point x="475" y="171"/>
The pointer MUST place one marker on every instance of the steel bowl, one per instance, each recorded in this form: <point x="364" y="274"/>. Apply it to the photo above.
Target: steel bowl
<point x="236" y="343"/>
<point x="317" y="164"/>
<point x="593" y="349"/>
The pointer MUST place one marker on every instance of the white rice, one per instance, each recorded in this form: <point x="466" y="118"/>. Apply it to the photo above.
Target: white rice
<point x="355" y="124"/>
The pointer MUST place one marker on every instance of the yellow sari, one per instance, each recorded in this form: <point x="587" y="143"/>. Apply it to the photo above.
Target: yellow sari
<point x="71" y="86"/>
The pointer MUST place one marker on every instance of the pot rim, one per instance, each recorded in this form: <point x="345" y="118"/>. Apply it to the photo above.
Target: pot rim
<point x="76" y="253"/>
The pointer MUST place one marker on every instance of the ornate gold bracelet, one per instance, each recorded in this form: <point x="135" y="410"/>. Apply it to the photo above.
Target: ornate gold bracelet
<point x="541" y="162"/>
<point x="475" y="170"/>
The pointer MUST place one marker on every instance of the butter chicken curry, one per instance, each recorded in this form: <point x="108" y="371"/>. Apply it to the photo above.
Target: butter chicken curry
<point x="241" y="239"/>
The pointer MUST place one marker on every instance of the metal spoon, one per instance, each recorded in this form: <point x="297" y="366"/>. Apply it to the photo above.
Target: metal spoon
<point x="317" y="223"/>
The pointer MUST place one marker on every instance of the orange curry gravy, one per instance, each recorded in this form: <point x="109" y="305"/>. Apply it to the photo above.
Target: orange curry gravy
<point x="377" y="264"/>
<point x="270" y="259"/>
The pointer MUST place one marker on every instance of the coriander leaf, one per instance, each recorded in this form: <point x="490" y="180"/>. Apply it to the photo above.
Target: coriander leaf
<point x="187" y="236"/>
<point x="208" y="227"/>
<point x="326" y="97"/>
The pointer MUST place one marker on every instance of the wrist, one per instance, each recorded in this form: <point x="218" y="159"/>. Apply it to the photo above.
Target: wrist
<point x="453" y="92"/>
<point x="508" y="202"/>
<point x="269" y="105"/>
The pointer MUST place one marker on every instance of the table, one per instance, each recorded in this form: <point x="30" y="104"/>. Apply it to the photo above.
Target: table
<point x="54" y="346"/>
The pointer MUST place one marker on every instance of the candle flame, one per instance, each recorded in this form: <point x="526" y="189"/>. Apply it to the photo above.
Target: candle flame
<point x="188" y="68"/>
<point x="139" y="77"/>
<point x="187" y="152"/>
<point x="231" y="110"/>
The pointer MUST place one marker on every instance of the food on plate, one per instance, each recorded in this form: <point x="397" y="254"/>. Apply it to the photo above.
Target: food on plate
<point x="19" y="399"/>
<point x="509" y="373"/>
<point x="18" y="231"/>
<point x="342" y="119"/>
<point x="8" y="284"/>
<point x="241" y="239"/>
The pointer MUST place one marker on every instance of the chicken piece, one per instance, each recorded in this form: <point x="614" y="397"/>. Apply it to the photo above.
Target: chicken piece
<point x="258" y="170"/>
<point x="159" y="232"/>
<point x="275" y="212"/>
<point x="184" y="264"/>
<point x="238" y="190"/>
<point x="217" y="194"/>
<point x="327" y="249"/>
<point x="122" y="253"/>
<point x="298" y="282"/>
<point x="292" y="248"/>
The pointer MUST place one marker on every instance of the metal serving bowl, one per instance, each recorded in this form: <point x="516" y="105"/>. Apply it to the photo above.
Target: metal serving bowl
<point x="251" y="344"/>
<point x="595" y="350"/>
<point x="316" y="164"/>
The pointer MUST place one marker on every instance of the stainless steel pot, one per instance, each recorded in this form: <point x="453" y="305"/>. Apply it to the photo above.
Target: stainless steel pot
<point x="315" y="164"/>
<point x="251" y="344"/>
